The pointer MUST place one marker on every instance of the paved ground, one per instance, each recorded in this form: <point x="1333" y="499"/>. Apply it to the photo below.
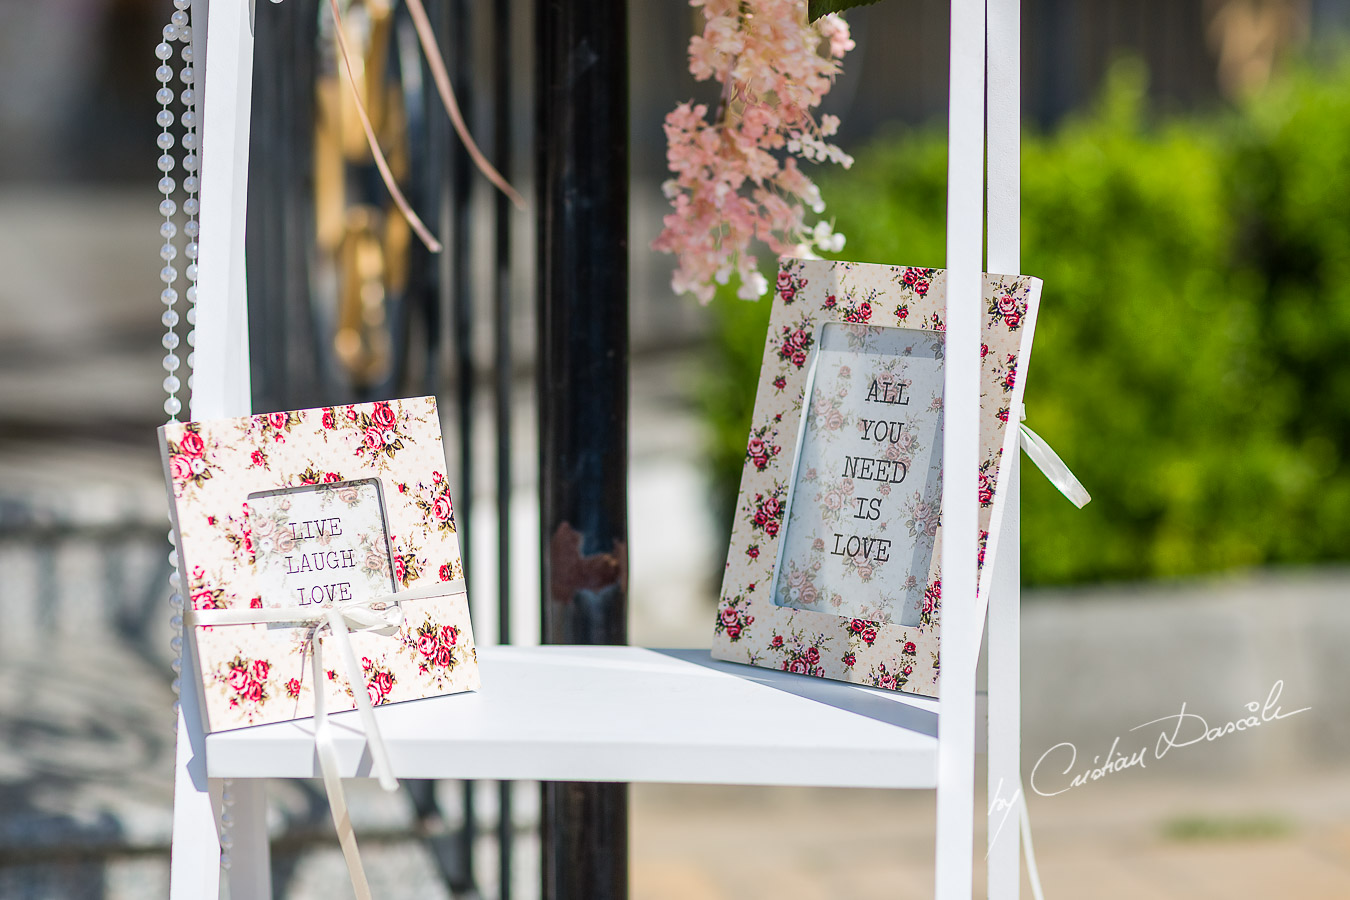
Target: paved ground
<point x="1136" y="839"/>
<point x="84" y="749"/>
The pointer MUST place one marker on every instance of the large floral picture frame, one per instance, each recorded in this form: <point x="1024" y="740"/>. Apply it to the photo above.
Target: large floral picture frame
<point x="828" y="604"/>
<point x="318" y="506"/>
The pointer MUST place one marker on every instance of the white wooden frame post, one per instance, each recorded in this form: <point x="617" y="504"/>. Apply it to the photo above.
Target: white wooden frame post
<point x="220" y="387"/>
<point x="960" y="452"/>
<point x="984" y="111"/>
<point x="1004" y="126"/>
<point x="979" y="33"/>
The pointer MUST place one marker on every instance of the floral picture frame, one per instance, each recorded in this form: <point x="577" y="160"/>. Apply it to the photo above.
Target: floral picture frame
<point x="892" y="648"/>
<point x="371" y="505"/>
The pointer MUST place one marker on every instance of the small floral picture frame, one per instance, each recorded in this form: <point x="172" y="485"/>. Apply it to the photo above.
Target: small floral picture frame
<point x="840" y="333"/>
<point x="365" y="489"/>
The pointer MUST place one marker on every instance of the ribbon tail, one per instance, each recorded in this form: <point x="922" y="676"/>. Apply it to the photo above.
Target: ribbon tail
<point x="332" y="782"/>
<point x="404" y="206"/>
<point x="427" y="37"/>
<point x="1029" y="851"/>
<point x="379" y="756"/>
<point x="1054" y="469"/>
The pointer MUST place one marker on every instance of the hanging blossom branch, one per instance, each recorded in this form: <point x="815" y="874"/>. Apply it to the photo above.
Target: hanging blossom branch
<point x="736" y="175"/>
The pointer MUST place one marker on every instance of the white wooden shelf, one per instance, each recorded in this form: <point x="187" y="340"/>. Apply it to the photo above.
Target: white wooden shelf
<point x="565" y="713"/>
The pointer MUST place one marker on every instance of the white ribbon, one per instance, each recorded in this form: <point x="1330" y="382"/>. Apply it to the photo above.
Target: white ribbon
<point x="1052" y="466"/>
<point x="1029" y="851"/>
<point x="378" y="615"/>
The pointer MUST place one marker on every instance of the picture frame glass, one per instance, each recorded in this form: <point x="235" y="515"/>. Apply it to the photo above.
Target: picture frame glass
<point x="866" y="487"/>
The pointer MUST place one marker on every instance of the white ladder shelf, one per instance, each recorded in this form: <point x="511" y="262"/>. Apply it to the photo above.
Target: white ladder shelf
<point x="625" y="713"/>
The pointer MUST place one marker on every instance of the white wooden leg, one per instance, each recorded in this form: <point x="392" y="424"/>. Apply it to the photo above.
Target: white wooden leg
<point x="1004" y="129"/>
<point x="960" y="622"/>
<point x="224" y="86"/>
<point x="1005" y="690"/>
<point x="250" y="873"/>
<point x="194" y="860"/>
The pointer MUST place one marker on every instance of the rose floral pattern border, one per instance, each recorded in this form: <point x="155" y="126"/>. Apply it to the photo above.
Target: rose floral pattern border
<point x="249" y="676"/>
<point x="750" y="627"/>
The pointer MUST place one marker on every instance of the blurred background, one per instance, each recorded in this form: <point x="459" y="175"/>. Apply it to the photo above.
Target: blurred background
<point x="1185" y="173"/>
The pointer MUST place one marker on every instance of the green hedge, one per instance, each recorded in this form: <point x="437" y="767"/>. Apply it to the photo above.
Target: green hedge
<point x="1190" y="361"/>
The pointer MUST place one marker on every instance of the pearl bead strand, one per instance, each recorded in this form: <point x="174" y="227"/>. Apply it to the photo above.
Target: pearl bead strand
<point x="179" y="31"/>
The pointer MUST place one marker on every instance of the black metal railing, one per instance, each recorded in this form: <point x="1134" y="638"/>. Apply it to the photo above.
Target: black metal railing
<point x="435" y="313"/>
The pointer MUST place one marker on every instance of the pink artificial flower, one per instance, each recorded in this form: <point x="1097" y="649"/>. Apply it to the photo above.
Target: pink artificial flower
<point x="736" y="179"/>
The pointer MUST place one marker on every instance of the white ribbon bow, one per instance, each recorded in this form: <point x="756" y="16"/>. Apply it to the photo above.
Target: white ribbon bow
<point x="378" y="615"/>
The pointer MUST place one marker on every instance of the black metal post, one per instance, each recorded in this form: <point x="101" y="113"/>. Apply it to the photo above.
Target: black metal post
<point x="287" y="360"/>
<point x="502" y="284"/>
<point x="582" y="120"/>
<point x="460" y="247"/>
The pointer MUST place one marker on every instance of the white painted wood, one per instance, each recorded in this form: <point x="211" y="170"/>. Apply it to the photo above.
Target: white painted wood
<point x="194" y="859"/>
<point x="561" y="713"/>
<point x="1005" y="137"/>
<point x="960" y="451"/>
<point x="221" y="376"/>
<point x="194" y="870"/>
<point x="1004" y="124"/>
<point x="224" y="85"/>
<point x="250" y="874"/>
<point x="1005" y="698"/>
